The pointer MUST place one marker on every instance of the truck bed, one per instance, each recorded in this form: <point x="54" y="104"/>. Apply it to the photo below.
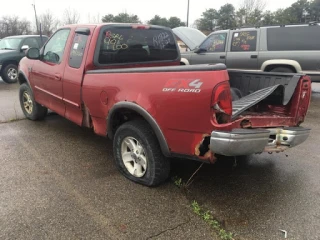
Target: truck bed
<point x="254" y="87"/>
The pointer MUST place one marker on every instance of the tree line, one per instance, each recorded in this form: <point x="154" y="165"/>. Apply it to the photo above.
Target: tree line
<point x="252" y="13"/>
<point x="249" y="13"/>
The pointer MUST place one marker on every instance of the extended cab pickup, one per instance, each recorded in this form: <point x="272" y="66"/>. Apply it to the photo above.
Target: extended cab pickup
<point x="124" y="81"/>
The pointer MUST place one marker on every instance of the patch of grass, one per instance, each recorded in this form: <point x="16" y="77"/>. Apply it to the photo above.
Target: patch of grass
<point x="12" y="120"/>
<point x="214" y="224"/>
<point x="178" y="182"/>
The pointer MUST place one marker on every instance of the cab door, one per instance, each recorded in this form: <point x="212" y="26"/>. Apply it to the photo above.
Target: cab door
<point x="74" y="70"/>
<point x="243" y="49"/>
<point x="47" y="73"/>
<point x="212" y="50"/>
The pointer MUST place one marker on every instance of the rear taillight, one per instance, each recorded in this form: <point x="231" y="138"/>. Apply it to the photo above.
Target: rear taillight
<point x="222" y="99"/>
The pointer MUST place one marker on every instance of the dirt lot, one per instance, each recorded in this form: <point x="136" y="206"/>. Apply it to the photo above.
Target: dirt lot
<point x="59" y="181"/>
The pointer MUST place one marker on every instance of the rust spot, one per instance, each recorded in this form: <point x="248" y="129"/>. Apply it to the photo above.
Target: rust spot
<point x="276" y="149"/>
<point x="246" y="123"/>
<point x="86" y="121"/>
<point x="196" y="150"/>
<point x="202" y="149"/>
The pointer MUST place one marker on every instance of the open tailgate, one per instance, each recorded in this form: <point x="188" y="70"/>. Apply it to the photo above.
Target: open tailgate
<point x="278" y="93"/>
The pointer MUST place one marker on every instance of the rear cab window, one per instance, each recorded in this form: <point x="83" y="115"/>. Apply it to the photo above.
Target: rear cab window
<point x="129" y="44"/>
<point x="301" y="38"/>
<point x="244" y="41"/>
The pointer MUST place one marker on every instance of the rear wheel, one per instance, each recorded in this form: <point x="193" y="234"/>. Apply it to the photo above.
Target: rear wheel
<point x="282" y="69"/>
<point x="31" y="109"/>
<point x="10" y="73"/>
<point x="137" y="154"/>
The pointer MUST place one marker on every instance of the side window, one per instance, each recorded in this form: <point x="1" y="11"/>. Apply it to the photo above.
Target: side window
<point x="31" y="42"/>
<point x="245" y="41"/>
<point x="294" y="38"/>
<point x="215" y="43"/>
<point x="77" y="50"/>
<point x="54" y="49"/>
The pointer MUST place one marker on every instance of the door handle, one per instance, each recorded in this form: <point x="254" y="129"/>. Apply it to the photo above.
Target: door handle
<point x="57" y="77"/>
<point x="254" y="56"/>
<point x="222" y="57"/>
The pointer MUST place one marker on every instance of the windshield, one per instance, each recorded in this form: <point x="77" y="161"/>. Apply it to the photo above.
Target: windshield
<point x="10" y="43"/>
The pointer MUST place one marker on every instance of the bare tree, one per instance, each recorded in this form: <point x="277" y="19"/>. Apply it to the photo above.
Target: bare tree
<point x="70" y="16"/>
<point x="94" y="19"/>
<point x="48" y="23"/>
<point x="253" y="5"/>
<point x="250" y="11"/>
<point x="12" y="25"/>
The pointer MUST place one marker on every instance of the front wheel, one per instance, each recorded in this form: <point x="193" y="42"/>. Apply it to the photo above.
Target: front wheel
<point x="10" y="73"/>
<point x="137" y="154"/>
<point x="31" y="109"/>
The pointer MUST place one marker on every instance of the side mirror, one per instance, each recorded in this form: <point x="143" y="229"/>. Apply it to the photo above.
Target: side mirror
<point x="200" y="50"/>
<point x="24" y="47"/>
<point x="33" y="53"/>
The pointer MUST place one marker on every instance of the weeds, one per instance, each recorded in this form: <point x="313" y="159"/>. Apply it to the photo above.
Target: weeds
<point x="178" y="182"/>
<point x="214" y="224"/>
<point x="196" y="208"/>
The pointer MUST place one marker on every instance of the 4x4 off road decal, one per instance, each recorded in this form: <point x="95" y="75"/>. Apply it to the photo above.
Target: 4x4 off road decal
<point x="183" y="85"/>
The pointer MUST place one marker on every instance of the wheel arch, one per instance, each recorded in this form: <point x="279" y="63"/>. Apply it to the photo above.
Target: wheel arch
<point x="271" y="64"/>
<point x="7" y="62"/>
<point x="22" y="78"/>
<point x="184" y="61"/>
<point x="124" y="111"/>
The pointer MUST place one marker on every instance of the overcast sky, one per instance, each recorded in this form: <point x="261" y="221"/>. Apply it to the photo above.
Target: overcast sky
<point x="145" y="9"/>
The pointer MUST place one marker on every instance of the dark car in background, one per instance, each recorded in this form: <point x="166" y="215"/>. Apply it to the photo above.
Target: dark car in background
<point x="12" y="50"/>
<point x="285" y="48"/>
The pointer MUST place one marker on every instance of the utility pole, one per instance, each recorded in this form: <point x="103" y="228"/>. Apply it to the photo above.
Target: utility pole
<point x="35" y="14"/>
<point x="188" y="13"/>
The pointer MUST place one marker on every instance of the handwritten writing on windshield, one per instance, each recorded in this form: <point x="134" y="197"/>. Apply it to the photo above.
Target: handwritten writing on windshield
<point x="161" y="40"/>
<point x="217" y="44"/>
<point x="114" y="41"/>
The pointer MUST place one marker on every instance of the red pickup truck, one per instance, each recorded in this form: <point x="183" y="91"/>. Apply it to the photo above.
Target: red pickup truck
<point x="125" y="81"/>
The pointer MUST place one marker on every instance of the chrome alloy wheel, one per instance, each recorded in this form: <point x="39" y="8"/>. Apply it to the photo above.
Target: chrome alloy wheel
<point x="12" y="73"/>
<point x="134" y="157"/>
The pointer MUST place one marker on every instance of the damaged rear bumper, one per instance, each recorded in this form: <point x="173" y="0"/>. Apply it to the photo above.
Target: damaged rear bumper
<point x="239" y="142"/>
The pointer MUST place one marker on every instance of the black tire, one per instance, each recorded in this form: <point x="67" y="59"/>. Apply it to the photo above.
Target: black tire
<point x="9" y="73"/>
<point x="37" y="111"/>
<point x="158" y="166"/>
<point x="282" y="69"/>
